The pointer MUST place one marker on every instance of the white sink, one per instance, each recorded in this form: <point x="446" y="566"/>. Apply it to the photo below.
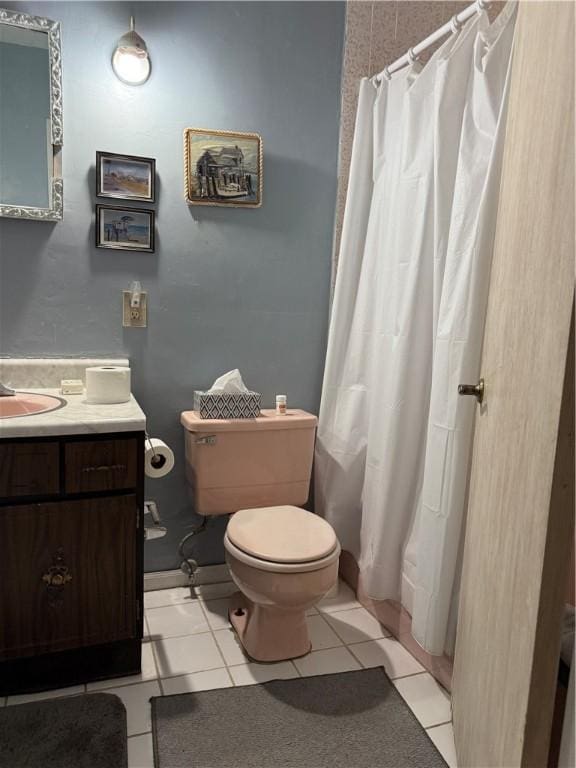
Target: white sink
<point x="28" y="404"/>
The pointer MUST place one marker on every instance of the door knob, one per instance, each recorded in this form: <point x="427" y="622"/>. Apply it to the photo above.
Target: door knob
<point x="473" y="389"/>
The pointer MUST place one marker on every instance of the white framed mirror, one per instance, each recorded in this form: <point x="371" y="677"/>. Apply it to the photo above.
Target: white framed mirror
<point x="31" y="128"/>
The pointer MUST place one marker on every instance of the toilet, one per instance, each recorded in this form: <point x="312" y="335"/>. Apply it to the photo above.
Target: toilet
<point x="282" y="558"/>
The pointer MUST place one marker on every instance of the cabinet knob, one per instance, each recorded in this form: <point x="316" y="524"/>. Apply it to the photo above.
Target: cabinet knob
<point x="56" y="578"/>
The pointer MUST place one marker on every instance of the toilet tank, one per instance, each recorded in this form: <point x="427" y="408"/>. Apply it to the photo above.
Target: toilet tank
<point x="235" y="464"/>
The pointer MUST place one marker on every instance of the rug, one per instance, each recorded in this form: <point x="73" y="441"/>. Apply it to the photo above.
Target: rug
<point x="348" y="720"/>
<point x="73" y="732"/>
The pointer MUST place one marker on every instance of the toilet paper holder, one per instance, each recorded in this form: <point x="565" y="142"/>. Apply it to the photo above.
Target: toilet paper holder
<point x="157" y="460"/>
<point x="155" y="531"/>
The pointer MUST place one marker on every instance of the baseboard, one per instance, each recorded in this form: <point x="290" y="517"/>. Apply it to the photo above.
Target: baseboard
<point x="206" y="574"/>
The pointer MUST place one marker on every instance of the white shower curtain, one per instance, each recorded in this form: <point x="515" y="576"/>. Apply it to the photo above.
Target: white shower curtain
<point x="407" y="320"/>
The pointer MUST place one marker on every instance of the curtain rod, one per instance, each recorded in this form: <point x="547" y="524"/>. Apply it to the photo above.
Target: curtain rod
<point x="454" y="25"/>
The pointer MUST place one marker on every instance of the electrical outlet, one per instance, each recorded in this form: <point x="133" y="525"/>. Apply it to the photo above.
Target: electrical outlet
<point x="134" y="317"/>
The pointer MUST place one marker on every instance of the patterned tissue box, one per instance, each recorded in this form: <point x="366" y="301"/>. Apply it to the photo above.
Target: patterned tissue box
<point x="226" y="406"/>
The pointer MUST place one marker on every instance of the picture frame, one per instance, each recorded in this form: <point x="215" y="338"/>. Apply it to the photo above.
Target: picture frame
<point x="125" y="177"/>
<point x="125" y="229"/>
<point x="222" y="168"/>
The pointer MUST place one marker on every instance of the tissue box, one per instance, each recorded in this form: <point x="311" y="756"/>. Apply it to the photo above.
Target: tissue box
<point x="227" y="406"/>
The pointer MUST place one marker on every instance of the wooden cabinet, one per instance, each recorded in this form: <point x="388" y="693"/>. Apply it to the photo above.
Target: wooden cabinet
<point x="71" y="574"/>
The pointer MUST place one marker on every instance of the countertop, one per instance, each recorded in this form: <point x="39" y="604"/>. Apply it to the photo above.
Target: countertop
<point x="77" y="417"/>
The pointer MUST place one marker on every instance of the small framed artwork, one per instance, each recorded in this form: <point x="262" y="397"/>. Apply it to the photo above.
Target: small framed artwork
<point x="222" y="168"/>
<point x="126" y="229"/>
<point x="125" y="177"/>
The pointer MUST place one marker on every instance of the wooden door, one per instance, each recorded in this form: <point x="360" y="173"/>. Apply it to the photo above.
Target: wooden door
<point x="521" y="505"/>
<point x="67" y="571"/>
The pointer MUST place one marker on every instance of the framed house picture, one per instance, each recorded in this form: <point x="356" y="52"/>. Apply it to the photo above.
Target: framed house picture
<point x="222" y="168"/>
<point x="125" y="177"/>
<point x="126" y="229"/>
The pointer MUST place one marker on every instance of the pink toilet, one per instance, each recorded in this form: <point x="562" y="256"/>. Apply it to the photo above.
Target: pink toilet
<point x="283" y="559"/>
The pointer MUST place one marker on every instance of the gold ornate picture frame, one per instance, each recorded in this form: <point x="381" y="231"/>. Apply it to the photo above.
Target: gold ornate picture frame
<point x="222" y="168"/>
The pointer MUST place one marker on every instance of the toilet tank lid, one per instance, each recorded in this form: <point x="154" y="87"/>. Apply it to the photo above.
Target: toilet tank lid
<point x="282" y="534"/>
<point x="294" y="419"/>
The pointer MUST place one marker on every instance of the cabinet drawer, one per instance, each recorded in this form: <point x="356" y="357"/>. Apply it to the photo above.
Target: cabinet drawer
<point x="29" y="469"/>
<point x="101" y="465"/>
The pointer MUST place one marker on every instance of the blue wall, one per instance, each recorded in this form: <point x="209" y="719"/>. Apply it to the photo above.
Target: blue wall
<point x="227" y="287"/>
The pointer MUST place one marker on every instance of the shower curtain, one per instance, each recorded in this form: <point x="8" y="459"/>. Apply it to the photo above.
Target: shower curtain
<point x="394" y="439"/>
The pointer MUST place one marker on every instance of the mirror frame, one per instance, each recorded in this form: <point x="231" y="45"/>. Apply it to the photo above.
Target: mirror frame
<point x="52" y="28"/>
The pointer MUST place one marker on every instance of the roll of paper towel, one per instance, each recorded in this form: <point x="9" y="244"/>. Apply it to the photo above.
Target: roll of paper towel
<point x="107" y="384"/>
<point x="159" y="459"/>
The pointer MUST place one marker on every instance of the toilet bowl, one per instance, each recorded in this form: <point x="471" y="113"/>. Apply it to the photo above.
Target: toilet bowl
<point x="283" y="560"/>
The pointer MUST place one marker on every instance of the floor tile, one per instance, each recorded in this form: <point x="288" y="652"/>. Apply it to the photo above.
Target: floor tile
<point x="167" y="597"/>
<point x="145" y="630"/>
<point x="443" y="738"/>
<point x="333" y="591"/>
<point x="321" y="634"/>
<point x="176" y="620"/>
<point x="140" y="751"/>
<point x="249" y="674"/>
<point x="326" y="662"/>
<point x="136" y="699"/>
<point x="199" y="681"/>
<point x="355" y="625"/>
<point x="388" y="653"/>
<point x="149" y="672"/>
<point x="215" y="591"/>
<point x="183" y="655"/>
<point x="230" y="647"/>
<point x="428" y="700"/>
<point x="217" y="613"/>
<point x="344" y="600"/>
<point x="57" y="693"/>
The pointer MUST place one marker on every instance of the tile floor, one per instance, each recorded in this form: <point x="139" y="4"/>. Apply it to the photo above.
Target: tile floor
<point x="189" y="646"/>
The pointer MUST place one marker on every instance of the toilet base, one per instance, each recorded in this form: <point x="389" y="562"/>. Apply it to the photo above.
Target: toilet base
<point x="269" y="634"/>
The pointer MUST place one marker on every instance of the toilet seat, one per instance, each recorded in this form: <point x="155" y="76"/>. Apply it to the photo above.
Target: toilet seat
<point x="272" y="567"/>
<point x="283" y="539"/>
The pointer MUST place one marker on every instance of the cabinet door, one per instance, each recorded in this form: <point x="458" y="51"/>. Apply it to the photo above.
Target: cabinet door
<point x="67" y="575"/>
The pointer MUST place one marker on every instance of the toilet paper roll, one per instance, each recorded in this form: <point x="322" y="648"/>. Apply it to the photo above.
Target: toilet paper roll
<point x="107" y="384"/>
<point x="158" y="459"/>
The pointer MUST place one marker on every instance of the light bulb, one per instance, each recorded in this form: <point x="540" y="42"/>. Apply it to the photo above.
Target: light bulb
<point x="130" y="60"/>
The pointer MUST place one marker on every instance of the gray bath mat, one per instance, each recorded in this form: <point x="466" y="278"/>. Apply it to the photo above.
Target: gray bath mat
<point x="75" y="732"/>
<point x="348" y="720"/>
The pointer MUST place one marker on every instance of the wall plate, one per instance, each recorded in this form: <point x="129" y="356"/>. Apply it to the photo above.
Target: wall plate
<point x="133" y="317"/>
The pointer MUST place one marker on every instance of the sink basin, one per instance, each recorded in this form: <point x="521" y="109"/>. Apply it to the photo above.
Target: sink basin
<point x="28" y="404"/>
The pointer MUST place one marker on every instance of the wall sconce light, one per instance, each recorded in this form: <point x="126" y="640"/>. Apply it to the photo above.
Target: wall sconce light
<point x="130" y="60"/>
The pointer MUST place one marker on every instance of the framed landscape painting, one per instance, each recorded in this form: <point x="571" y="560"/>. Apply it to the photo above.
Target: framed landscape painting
<point x="125" y="177"/>
<point x="222" y="168"/>
<point x="126" y="229"/>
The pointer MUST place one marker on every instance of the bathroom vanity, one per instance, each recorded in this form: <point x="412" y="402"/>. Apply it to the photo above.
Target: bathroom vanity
<point x="71" y="544"/>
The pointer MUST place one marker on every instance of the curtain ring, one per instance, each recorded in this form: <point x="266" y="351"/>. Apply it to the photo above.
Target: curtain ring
<point x="386" y="74"/>
<point x="411" y="56"/>
<point x="455" y="24"/>
<point x="481" y="5"/>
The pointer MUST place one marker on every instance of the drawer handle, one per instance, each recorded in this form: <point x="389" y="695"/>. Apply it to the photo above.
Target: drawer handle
<point x="106" y="468"/>
<point x="56" y="578"/>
